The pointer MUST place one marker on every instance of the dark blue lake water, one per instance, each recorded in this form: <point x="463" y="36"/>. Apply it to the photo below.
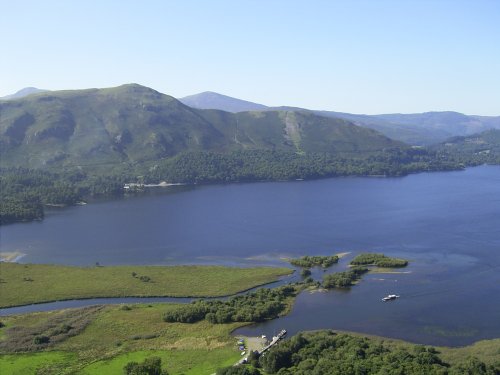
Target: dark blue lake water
<point x="447" y="224"/>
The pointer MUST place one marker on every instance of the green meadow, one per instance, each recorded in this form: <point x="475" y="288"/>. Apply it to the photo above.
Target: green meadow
<point x="114" y="336"/>
<point x="23" y="284"/>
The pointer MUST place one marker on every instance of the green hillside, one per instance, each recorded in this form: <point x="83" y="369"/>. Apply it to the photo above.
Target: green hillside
<point x="474" y="149"/>
<point x="419" y="129"/>
<point x="126" y="123"/>
<point x="132" y="123"/>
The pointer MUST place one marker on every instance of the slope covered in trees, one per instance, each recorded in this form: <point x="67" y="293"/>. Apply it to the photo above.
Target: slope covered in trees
<point x="482" y="148"/>
<point x="326" y="352"/>
<point x="25" y="192"/>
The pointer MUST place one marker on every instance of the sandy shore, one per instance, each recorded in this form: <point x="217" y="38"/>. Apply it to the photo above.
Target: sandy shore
<point x="387" y="270"/>
<point x="11" y="256"/>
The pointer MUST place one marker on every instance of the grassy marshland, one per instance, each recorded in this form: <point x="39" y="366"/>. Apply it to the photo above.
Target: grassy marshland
<point x="23" y="284"/>
<point x="112" y="337"/>
<point x="116" y="335"/>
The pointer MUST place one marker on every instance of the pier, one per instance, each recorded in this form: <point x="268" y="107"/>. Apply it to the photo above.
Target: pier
<point x="260" y="352"/>
<point x="274" y="341"/>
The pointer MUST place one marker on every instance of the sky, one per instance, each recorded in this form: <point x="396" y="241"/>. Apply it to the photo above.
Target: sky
<point x="377" y="56"/>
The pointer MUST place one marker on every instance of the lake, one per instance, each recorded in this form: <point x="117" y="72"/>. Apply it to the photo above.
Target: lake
<point x="447" y="224"/>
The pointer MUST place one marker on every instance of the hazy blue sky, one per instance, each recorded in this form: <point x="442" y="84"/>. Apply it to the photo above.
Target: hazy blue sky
<point x="353" y="56"/>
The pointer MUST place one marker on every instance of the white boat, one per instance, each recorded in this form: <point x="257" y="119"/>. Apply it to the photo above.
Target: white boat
<point x="390" y="297"/>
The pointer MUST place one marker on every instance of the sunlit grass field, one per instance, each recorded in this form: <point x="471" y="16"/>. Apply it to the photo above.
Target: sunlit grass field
<point x="117" y="336"/>
<point x="34" y="283"/>
<point x="120" y="334"/>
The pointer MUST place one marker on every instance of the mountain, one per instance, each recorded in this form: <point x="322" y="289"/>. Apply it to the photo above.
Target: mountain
<point x="483" y="147"/>
<point x="22" y="93"/>
<point x="133" y="123"/>
<point x="429" y="127"/>
<point x="213" y="100"/>
<point x="419" y="129"/>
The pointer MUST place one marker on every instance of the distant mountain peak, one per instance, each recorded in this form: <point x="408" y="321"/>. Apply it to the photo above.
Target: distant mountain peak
<point x="214" y="100"/>
<point x="209" y="93"/>
<point x="22" y="93"/>
<point x="134" y="86"/>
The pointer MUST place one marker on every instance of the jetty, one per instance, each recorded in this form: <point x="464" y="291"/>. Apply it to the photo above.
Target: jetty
<point x="138" y="186"/>
<point x="260" y="352"/>
<point x="274" y="341"/>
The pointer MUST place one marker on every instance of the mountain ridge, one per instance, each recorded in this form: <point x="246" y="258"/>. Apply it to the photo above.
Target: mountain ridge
<point x="418" y="129"/>
<point x="23" y="93"/>
<point x="213" y="100"/>
<point x="134" y="123"/>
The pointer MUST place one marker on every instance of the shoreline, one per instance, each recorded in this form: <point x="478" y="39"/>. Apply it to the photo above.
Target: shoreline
<point x="11" y="256"/>
<point x="135" y="185"/>
<point x="132" y="186"/>
<point x="384" y="339"/>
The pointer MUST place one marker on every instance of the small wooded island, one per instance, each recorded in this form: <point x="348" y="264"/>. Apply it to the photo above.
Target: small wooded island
<point x="315" y="261"/>
<point x="359" y="267"/>
<point x="379" y="260"/>
<point x="343" y="279"/>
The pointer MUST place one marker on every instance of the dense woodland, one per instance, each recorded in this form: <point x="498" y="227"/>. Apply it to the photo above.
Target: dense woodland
<point x="238" y="370"/>
<point x="315" y="261"/>
<point x="261" y="305"/>
<point x="343" y="279"/>
<point x="150" y="366"/>
<point x="25" y="192"/>
<point x="379" y="260"/>
<point x="325" y="352"/>
<point x="476" y="149"/>
<point x="262" y="165"/>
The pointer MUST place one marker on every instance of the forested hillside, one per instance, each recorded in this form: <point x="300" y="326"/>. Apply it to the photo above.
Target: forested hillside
<point x="326" y="352"/>
<point x="472" y="150"/>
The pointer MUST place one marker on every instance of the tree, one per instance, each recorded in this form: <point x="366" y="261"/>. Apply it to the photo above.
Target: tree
<point x="150" y="366"/>
<point x="473" y="366"/>
<point x="38" y="340"/>
<point x="253" y="358"/>
<point x="305" y="272"/>
<point x="238" y="370"/>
